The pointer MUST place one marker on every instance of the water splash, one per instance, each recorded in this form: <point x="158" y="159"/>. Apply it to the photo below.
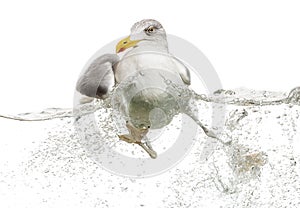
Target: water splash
<point x="47" y="114"/>
<point x="239" y="97"/>
<point x="258" y="168"/>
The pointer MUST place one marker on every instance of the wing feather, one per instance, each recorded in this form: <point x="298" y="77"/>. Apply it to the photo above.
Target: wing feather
<point x="183" y="70"/>
<point x="99" y="78"/>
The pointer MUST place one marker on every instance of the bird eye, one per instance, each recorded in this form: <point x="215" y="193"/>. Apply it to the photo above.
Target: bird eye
<point x="149" y="30"/>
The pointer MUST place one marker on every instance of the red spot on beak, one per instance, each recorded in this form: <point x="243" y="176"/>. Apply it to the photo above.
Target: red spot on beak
<point x="121" y="50"/>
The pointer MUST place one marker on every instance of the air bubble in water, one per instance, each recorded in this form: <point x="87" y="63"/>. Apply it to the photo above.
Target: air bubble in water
<point x="260" y="167"/>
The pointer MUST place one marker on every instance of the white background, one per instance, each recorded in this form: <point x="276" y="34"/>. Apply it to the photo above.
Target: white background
<point x="44" y="45"/>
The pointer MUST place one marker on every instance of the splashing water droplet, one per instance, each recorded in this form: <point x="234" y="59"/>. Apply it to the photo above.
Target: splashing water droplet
<point x="259" y="161"/>
<point x="294" y="96"/>
<point x="168" y="82"/>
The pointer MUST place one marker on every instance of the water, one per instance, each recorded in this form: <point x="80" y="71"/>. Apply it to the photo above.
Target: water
<point x="254" y="162"/>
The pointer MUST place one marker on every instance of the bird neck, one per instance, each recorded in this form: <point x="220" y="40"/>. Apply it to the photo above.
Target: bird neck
<point x="150" y="46"/>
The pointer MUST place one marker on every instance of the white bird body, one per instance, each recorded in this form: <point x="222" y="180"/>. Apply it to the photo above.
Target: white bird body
<point x="151" y="64"/>
<point x="135" y="62"/>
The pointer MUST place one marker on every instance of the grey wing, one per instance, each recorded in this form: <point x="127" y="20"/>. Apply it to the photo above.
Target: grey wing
<point x="99" y="78"/>
<point x="183" y="70"/>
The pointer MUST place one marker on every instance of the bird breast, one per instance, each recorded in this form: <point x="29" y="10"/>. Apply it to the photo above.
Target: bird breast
<point x="132" y="64"/>
<point x="146" y="96"/>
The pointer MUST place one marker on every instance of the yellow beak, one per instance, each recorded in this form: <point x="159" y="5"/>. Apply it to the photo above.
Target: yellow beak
<point x="125" y="44"/>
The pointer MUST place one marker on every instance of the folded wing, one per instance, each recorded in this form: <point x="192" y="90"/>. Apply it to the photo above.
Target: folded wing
<point x="99" y="78"/>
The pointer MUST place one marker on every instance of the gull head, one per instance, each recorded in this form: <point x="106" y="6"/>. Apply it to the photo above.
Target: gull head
<point x="147" y="33"/>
